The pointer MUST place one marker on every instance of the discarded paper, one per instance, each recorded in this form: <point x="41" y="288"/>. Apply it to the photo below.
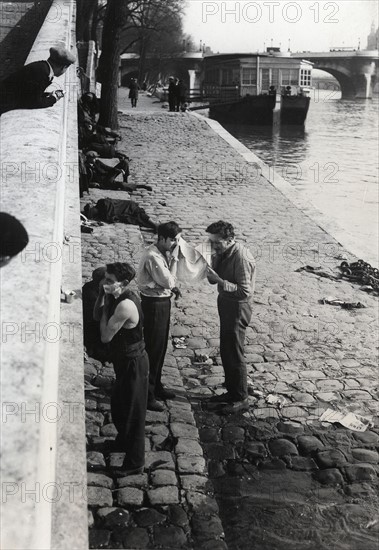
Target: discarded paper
<point x="179" y="343"/>
<point x="278" y="400"/>
<point x="347" y="419"/>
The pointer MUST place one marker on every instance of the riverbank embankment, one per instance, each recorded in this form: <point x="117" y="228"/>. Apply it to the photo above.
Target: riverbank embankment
<point x="271" y="473"/>
<point x="43" y="441"/>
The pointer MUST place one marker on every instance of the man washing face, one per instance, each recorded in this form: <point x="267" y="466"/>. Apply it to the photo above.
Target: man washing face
<point x="121" y="320"/>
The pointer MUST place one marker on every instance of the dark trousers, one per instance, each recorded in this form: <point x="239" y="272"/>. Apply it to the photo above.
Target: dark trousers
<point x="171" y="101"/>
<point x="128" y="406"/>
<point x="156" y="313"/>
<point x="234" y="319"/>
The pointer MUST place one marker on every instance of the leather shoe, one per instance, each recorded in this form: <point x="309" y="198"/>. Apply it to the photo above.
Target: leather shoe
<point x="114" y="446"/>
<point x="121" y="472"/>
<point x="235" y="407"/>
<point x="164" y="394"/>
<point x="154" y="405"/>
<point x="222" y="398"/>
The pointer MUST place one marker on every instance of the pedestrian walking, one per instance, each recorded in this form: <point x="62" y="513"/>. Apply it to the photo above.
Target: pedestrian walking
<point x="133" y="92"/>
<point x="156" y="280"/>
<point x="234" y="272"/>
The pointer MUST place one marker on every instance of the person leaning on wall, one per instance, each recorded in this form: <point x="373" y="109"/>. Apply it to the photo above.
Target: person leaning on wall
<point x="25" y="88"/>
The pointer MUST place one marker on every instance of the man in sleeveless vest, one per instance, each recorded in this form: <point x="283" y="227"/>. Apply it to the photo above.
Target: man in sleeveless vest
<point x="121" y="320"/>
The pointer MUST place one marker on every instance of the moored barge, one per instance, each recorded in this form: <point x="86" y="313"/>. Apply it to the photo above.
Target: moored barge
<point x="248" y="88"/>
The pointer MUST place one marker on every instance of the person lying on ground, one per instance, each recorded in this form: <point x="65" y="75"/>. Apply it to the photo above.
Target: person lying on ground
<point x="91" y="139"/>
<point x="25" y="88"/>
<point x="118" y="210"/>
<point x="103" y="176"/>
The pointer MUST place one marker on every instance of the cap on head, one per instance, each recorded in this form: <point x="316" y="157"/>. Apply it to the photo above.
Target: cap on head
<point x="92" y="154"/>
<point x="13" y="235"/>
<point x="61" y="56"/>
<point x="88" y="210"/>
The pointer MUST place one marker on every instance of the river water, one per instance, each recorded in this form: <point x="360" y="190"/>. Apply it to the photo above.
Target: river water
<point x="332" y="162"/>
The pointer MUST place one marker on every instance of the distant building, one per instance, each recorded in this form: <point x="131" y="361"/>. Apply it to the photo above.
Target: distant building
<point x="373" y="38"/>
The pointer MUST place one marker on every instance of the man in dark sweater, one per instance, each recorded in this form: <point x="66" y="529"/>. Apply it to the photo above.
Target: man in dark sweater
<point x="25" y="88"/>
<point x="234" y="272"/>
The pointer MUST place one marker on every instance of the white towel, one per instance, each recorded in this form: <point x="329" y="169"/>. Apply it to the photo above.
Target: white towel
<point x="192" y="265"/>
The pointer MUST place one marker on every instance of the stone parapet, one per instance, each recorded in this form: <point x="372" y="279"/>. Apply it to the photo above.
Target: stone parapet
<point x="43" y="464"/>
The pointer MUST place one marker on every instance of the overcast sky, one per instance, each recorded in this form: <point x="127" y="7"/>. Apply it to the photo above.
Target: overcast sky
<point x="245" y="26"/>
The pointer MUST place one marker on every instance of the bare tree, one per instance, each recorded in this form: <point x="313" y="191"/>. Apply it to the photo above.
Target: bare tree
<point x="86" y="19"/>
<point x="128" y="23"/>
<point x="116" y="15"/>
<point x="156" y="27"/>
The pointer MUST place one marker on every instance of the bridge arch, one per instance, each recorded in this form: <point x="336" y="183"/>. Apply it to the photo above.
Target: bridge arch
<point x="356" y="70"/>
<point x="344" y="79"/>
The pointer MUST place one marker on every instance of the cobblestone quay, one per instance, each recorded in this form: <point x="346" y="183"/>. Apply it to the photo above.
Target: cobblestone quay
<point x="274" y="477"/>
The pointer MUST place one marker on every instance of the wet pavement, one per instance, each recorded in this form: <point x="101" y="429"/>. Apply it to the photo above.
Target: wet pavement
<point x="274" y="477"/>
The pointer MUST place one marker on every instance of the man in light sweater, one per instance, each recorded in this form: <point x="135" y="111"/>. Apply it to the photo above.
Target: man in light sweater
<point x="156" y="279"/>
<point x="234" y="272"/>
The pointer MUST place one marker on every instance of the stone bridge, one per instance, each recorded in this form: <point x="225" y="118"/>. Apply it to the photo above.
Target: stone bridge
<point x="186" y="66"/>
<point x="356" y="71"/>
